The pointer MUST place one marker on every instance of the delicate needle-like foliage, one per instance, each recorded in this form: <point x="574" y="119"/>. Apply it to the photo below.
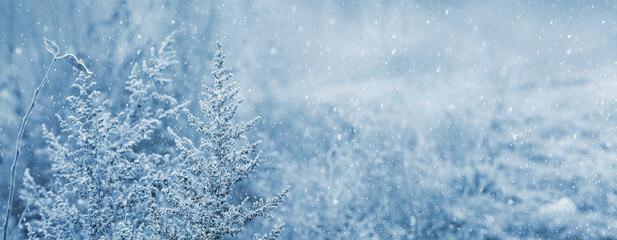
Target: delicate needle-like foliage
<point x="199" y="194"/>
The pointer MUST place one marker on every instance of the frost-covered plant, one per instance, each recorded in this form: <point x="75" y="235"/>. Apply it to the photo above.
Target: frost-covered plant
<point x="200" y="205"/>
<point x="113" y="175"/>
<point x="79" y="196"/>
<point x="102" y="182"/>
<point x="149" y="101"/>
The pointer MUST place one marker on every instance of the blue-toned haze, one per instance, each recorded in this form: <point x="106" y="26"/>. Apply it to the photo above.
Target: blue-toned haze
<point x="388" y="119"/>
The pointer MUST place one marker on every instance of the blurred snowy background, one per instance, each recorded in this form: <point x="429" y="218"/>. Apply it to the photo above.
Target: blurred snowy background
<point x="389" y="119"/>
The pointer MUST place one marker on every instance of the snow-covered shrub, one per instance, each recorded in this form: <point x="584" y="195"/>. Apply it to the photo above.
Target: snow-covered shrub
<point x="101" y="178"/>
<point x="114" y="176"/>
<point x="198" y="195"/>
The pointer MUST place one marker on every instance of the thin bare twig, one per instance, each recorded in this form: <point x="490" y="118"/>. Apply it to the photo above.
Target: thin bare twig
<point x="18" y="146"/>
